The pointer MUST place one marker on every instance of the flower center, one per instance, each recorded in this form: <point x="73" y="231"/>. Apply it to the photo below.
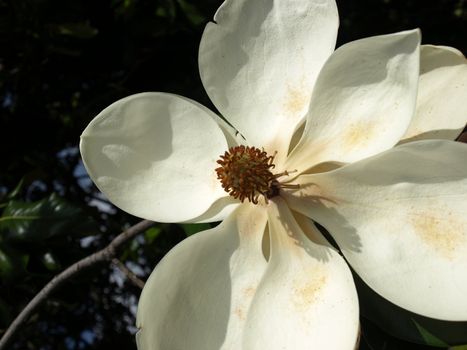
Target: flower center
<point x="245" y="173"/>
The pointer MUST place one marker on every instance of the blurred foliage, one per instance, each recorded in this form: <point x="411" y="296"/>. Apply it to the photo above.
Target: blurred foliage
<point x="34" y="222"/>
<point x="61" y="62"/>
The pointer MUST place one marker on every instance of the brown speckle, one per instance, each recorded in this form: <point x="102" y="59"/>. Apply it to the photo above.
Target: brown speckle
<point x="249" y="292"/>
<point x="307" y="291"/>
<point x="240" y="313"/>
<point x="240" y="308"/>
<point x="441" y="230"/>
<point x="358" y="134"/>
<point x="297" y="99"/>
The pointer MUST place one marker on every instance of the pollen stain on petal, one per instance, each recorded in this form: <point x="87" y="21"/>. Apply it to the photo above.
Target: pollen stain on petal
<point x="240" y="313"/>
<point x="445" y="234"/>
<point x="240" y="310"/>
<point x="307" y="291"/>
<point x="296" y="100"/>
<point x="249" y="292"/>
<point x="358" y="134"/>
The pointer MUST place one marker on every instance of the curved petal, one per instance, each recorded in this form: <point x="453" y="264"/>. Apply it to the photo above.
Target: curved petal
<point x="442" y="92"/>
<point x="233" y="137"/>
<point x="306" y="292"/>
<point x="219" y="210"/>
<point x="147" y="154"/>
<point x="400" y="220"/>
<point x="259" y="61"/>
<point x="363" y="101"/>
<point x="198" y="295"/>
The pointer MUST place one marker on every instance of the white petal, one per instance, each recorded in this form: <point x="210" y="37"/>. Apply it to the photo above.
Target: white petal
<point x="442" y="95"/>
<point x="198" y="296"/>
<point x="219" y="210"/>
<point x="234" y="138"/>
<point x="400" y="220"/>
<point x="307" y="298"/>
<point x="260" y="59"/>
<point x="154" y="156"/>
<point x="363" y="100"/>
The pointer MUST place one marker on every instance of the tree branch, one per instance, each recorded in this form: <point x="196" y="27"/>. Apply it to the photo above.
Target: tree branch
<point x="106" y="254"/>
<point x="128" y="273"/>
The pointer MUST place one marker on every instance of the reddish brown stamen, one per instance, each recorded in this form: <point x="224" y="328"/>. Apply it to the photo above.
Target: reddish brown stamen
<point x="245" y="173"/>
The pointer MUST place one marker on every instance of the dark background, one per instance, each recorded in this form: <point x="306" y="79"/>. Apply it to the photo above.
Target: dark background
<point x="61" y="62"/>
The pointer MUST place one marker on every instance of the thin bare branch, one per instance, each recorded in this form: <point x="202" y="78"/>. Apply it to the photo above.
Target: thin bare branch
<point x="128" y="273"/>
<point x="106" y="254"/>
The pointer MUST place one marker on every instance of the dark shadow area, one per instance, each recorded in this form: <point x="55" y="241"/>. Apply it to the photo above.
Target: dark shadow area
<point x="446" y="134"/>
<point x="296" y="232"/>
<point x="325" y="212"/>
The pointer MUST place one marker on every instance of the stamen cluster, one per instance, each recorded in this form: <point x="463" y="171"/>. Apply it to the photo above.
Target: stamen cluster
<point x="245" y="173"/>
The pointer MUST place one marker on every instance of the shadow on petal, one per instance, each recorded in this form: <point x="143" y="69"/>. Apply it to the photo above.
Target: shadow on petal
<point x="198" y="295"/>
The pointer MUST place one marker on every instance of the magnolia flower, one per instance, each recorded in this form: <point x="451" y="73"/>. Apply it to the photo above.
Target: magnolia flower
<point x="312" y="140"/>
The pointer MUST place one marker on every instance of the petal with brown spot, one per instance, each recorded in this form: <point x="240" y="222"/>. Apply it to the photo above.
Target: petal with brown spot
<point x="400" y="220"/>
<point x="307" y="290"/>
<point x="363" y="101"/>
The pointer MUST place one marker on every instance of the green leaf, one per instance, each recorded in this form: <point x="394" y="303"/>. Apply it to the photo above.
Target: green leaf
<point x="191" y="229"/>
<point x="127" y="3"/>
<point x="49" y="217"/>
<point x="81" y="30"/>
<point x="13" y="194"/>
<point x="152" y="233"/>
<point x="429" y="338"/>
<point x="166" y="10"/>
<point x="50" y="262"/>
<point x="191" y="12"/>
<point x="12" y="262"/>
<point x="460" y="347"/>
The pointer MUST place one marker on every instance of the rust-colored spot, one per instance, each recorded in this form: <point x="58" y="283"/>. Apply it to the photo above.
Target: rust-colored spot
<point x="296" y="100"/>
<point x="358" y="134"/>
<point x="442" y="230"/>
<point x="249" y="292"/>
<point x="240" y="309"/>
<point x="240" y="313"/>
<point x="307" y="290"/>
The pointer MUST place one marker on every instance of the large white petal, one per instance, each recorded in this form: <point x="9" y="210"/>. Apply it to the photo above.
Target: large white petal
<point x="442" y="95"/>
<point x="198" y="296"/>
<point x="219" y="210"/>
<point x="259" y="62"/>
<point x="154" y="156"/>
<point x="363" y="100"/>
<point x="400" y="220"/>
<point x="307" y="293"/>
